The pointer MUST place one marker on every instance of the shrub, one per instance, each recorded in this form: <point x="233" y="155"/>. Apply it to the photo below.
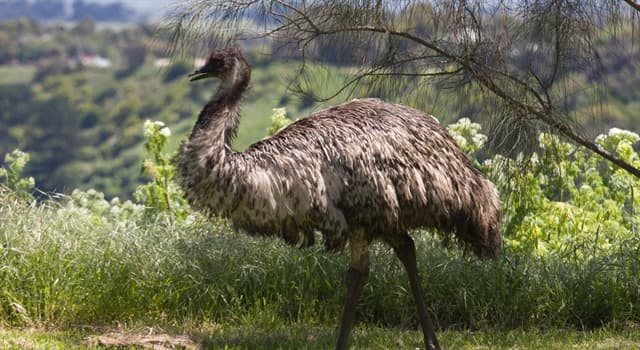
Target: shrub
<point x="161" y="193"/>
<point x="11" y="174"/>
<point x="562" y="197"/>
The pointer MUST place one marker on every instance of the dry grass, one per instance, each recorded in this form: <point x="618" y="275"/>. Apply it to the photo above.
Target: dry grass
<point x="150" y="339"/>
<point x="299" y="337"/>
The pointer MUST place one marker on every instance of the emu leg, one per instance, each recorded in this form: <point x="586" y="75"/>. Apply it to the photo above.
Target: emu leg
<point x="356" y="279"/>
<point x="406" y="252"/>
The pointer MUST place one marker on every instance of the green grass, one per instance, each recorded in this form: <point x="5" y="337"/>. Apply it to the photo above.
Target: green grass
<point x="300" y="337"/>
<point x="10" y="75"/>
<point x="62" y="265"/>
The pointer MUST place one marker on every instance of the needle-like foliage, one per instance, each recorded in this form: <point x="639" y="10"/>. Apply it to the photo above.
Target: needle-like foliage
<point x="517" y="55"/>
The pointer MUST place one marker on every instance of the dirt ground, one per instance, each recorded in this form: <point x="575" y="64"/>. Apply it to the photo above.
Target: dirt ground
<point x="148" y="339"/>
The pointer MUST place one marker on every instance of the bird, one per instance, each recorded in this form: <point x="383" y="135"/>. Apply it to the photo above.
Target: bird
<point x="357" y="173"/>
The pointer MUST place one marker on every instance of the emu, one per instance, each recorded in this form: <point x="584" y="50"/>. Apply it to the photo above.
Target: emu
<point x="359" y="172"/>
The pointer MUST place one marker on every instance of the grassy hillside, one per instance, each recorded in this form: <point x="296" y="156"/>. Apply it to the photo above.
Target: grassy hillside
<point x="80" y="122"/>
<point x="16" y="75"/>
<point x="82" y="127"/>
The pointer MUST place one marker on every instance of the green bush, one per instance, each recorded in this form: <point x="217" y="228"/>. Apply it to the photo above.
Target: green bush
<point x="570" y="197"/>
<point x="11" y="174"/>
<point x="563" y="197"/>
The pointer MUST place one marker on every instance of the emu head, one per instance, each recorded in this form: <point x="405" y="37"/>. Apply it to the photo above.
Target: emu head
<point x="219" y="64"/>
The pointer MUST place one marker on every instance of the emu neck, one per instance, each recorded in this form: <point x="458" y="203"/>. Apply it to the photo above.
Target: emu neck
<point x="218" y="120"/>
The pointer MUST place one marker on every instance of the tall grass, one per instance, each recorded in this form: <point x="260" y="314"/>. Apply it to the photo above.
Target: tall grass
<point x="61" y="266"/>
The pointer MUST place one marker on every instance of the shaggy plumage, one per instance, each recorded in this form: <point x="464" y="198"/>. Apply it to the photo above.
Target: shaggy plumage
<point x="361" y="171"/>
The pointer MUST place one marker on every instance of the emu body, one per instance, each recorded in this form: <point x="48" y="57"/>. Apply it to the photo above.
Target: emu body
<point x="359" y="172"/>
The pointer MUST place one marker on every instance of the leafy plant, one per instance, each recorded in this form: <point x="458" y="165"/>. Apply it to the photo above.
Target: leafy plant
<point x="11" y="174"/>
<point x="278" y="121"/>
<point x="161" y="194"/>
<point x="92" y="203"/>
<point x="467" y="135"/>
<point x="564" y="197"/>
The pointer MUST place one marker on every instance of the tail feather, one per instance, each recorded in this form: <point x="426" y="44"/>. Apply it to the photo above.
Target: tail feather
<point x="478" y="227"/>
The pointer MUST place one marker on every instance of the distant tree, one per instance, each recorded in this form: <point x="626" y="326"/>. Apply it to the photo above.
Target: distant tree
<point x="135" y="55"/>
<point x="9" y="48"/>
<point x="12" y="115"/>
<point x="21" y="26"/>
<point x="176" y="70"/>
<point x="518" y="55"/>
<point x="85" y="27"/>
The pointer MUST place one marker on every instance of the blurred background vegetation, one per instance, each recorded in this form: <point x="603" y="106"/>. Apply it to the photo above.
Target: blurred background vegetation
<point x="75" y="95"/>
<point x="75" y="98"/>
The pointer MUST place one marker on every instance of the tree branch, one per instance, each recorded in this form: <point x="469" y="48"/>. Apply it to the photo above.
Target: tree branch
<point x="476" y="54"/>
<point x="544" y="114"/>
<point x="634" y="4"/>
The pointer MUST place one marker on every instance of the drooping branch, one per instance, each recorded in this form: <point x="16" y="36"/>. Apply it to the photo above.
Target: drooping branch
<point x="460" y="42"/>
<point x="634" y="4"/>
<point x="544" y="113"/>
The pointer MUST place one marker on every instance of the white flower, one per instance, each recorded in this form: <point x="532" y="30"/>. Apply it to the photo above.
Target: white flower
<point x="479" y="139"/>
<point x="627" y="133"/>
<point x="115" y="210"/>
<point x="460" y="140"/>
<point x="147" y="128"/>
<point x="151" y="127"/>
<point x="165" y="132"/>
<point x="278" y="113"/>
<point x="617" y="135"/>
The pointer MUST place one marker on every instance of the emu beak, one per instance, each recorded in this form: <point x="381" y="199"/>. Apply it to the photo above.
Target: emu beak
<point x="198" y="74"/>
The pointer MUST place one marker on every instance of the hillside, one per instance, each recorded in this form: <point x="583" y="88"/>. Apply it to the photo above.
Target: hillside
<point x="76" y="98"/>
<point x="81" y="122"/>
